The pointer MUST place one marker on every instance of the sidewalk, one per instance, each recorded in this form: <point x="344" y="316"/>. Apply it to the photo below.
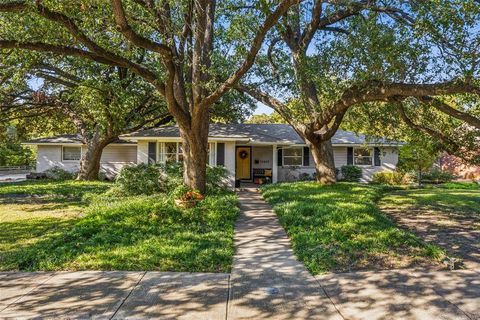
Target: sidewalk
<point x="113" y="295"/>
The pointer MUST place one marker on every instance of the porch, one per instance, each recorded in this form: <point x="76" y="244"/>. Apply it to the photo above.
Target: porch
<point x="255" y="165"/>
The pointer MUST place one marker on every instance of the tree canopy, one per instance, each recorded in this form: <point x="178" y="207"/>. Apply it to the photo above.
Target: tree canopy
<point x="327" y="58"/>
<point x="191" y="52"/>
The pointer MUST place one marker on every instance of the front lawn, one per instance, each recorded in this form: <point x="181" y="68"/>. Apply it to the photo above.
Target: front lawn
<point x="50" y="225"/>
<point x="446" y="215"/>
<point x="453" y="199"/>
<point x="340" y="228"/>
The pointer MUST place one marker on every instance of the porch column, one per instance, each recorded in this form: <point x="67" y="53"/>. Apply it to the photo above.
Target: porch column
<point x="275" y="164"/>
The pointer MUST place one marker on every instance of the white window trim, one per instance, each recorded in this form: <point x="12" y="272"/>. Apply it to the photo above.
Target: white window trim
<point x="161" y="151"/>
<point x="62" y="153"/>
<point x="292" y="165"/>
<point x="372" y="155"/>
<point x="212" y="160"/>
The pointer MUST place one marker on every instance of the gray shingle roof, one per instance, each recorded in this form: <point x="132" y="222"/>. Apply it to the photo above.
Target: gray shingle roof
<point x="67" y="139"/>
<point x="259" y="133"/>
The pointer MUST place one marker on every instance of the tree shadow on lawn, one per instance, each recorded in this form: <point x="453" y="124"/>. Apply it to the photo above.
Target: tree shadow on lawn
<point x="139" y="234"/>
<point x="340" y="228"/>
<point x="452" y="201"/>
<point x="446" y="218"/>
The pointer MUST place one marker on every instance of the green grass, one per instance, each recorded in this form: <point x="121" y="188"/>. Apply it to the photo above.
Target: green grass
<point x="456" y="199"/>
<point x="461" y="185"/>
<point x="340" y="228"/>
<point x="51" y="190"/>
<point x="133" y="233"/>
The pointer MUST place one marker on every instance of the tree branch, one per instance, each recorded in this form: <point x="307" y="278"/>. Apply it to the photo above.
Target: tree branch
<point x="268" y="100"/>
<point x="445" y="108"/>
<point x="16" y="6"/>
<point x="370" y="91"/>
<point x="71" y="51"/>
<point x="312" y="27"/>
<point x="124" y="28"/>
<point x="270" y="21"/>
<point x="95" y="53"/>
<point x="448" y="143"/>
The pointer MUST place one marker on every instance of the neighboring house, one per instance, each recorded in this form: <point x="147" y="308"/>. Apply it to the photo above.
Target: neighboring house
<point x="458" y="167"/>
<point x="250" y="152"/>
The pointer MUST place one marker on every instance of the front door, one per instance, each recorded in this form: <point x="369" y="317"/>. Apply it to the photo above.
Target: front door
<point x="243" y="163"/>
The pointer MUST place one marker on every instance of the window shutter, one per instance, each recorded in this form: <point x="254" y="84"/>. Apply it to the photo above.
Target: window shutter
<point x="279" y="157"/>
<point x="220" y="154"/>
<point x="306" y="156"/>
<point x="152" y="152"/>
<point x="349" y="156"/>
<point x="376" y="157"/>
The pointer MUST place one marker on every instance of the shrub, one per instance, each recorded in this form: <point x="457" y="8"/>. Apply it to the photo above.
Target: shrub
<point x="304" y="176"/>
<point x="391" y="178"/>
<point x="158" y="178"/>
<point x="217" y="179"/>
<point x="141" y="179"/>
<point x="437" y="176"/>
<point x="351" y="173"/>
<point x="57" y="173"/>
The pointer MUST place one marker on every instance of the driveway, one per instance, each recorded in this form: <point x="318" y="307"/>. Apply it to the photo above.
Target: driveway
<point x="12" y="177"/>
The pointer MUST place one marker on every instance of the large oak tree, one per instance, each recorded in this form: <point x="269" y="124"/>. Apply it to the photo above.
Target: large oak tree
<point x="193" y="51"/>
<point x="99" y="103"/>
<point x="327" y="57"/>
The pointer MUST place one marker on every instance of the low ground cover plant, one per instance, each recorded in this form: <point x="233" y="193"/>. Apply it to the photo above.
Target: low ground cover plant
<point x="57" y="173"/>
<point x="136" y="233"/>
<point x="351" y="173"/>
<point x="461" y="185"/>
<point x="340" y="228"/>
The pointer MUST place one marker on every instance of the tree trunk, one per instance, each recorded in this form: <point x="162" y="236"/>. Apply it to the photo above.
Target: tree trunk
<point x="90" y="160"/>
<point x="195" y="151"/>
<point x="322" y="152"/>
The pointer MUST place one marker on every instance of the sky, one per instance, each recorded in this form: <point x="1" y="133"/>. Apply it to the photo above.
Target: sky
<point x="261" y="108"/>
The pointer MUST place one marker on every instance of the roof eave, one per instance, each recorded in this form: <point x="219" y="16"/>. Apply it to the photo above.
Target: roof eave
<point x="214" y="138"/>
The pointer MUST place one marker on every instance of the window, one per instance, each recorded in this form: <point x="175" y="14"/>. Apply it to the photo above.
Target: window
<point x="152" y="152"/>
<point x="212" y="154"/>
<point x="362" y="156"/>
<point x="71" y="153"/>
<point x="293" y="156"/>
<point x="172" y="152"/>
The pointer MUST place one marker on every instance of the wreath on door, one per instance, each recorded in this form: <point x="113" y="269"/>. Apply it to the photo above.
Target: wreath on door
<point x="243" y="154"/>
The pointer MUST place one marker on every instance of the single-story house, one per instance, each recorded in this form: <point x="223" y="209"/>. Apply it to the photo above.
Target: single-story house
<point x="250" y="152"/>
<point x="65" y="151"/>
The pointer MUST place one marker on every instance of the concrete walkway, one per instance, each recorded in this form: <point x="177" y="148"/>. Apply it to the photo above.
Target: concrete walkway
<point x="266" y="282"/>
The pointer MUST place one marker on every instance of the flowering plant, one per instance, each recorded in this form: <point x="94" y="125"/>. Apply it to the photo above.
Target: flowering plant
<point x="189" y="199"/>
<point x="191" y="196"/>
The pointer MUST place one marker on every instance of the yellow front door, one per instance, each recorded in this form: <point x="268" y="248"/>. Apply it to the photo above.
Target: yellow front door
<point x="243" y="163"/>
